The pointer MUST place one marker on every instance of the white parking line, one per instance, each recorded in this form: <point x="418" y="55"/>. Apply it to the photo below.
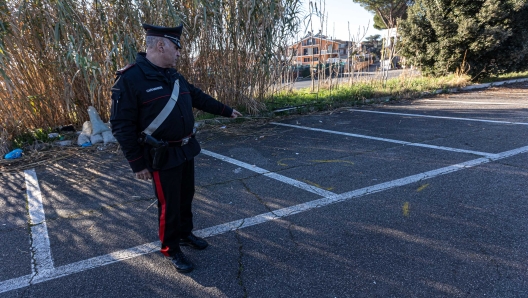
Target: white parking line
<point x="474" y="102"/>
<point x="298" y="184"/>
<point x="40" y="244"/>
<point x="23" y="281"/>
<point x="440" y="117"/>
<point x="387" y="140"/>
<point x="118" y="256"/>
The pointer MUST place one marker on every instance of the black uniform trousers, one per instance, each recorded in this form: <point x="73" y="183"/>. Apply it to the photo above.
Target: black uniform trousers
<point x="174" y="189"/>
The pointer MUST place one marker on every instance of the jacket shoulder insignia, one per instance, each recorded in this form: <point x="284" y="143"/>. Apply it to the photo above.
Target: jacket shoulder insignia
<point x="122" y="70"/>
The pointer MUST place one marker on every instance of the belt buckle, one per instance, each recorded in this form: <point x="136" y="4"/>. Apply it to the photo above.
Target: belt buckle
<point x="185" y="141"/>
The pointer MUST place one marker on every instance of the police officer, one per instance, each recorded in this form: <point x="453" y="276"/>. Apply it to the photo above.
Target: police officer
<point x="140" y="93"/>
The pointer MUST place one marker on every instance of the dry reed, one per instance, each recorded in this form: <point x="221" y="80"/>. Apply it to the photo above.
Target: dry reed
<point x="59" y="57"/>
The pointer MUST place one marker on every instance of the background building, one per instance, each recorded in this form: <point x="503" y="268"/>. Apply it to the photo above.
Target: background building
<point x="315" y="49"/>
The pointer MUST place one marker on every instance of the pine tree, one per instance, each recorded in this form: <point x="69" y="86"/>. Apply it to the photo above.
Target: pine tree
<point x="387" y="12"/>
<point x="479" y="37"/>
<point x="378" y="23"/>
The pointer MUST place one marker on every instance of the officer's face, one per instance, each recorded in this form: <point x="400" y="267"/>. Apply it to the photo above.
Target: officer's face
<point x="170" y="54"/>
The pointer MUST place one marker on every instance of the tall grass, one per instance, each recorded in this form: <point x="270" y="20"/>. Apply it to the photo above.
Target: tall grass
<point x="367" y="89"/>
<point x="505" y="76"/>
<point x="57" y="57"/>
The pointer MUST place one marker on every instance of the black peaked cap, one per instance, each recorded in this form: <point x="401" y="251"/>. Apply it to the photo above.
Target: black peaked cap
<point x="173" y="34"/>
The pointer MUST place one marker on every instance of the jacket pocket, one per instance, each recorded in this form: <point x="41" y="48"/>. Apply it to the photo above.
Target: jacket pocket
<point x="115" y="103"/>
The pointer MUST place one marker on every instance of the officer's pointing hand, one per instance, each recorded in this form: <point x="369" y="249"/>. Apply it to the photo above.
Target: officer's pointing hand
<point x="235" y="114"/>
<point x="143" y="175"/>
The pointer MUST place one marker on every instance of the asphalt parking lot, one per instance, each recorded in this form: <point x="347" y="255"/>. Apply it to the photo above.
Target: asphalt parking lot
<point x="422" y="198"/>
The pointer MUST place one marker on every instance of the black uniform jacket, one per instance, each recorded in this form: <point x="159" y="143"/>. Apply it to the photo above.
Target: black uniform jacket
<point x="139" y="94"/>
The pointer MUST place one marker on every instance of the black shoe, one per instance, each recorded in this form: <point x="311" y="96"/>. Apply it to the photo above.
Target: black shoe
<point x="194" y="242"/>
<point x="182" y="264"/>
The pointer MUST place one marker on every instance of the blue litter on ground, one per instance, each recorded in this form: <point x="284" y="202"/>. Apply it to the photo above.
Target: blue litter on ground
<point x="17" y="153"/>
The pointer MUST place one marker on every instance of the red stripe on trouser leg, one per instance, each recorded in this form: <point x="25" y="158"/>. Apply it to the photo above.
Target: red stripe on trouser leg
<point x="161" y="199"/>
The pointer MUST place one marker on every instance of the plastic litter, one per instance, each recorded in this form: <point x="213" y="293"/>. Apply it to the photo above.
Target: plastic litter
<point x="53" y="135"/>
<point x="98" y="126"/>
<point x="64" y="143"/>
<point x="96" y="138"/>
<point x="87" y="128"/>
<point x="87" y="144"/>
<point x="108" y="137"/>
<point x="17" y="153"/>
<point x="95" y="131"/>
<point x="84" y="136"/>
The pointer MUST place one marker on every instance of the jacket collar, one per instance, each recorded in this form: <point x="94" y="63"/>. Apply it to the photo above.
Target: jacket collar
<point x="149" y="69"/>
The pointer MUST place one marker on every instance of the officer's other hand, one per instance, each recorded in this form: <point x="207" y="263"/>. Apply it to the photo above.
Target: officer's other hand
<point x="235" y="114"/>
<point x="143" y="175"/>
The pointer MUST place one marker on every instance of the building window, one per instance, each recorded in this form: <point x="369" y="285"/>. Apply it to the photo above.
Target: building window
<point x="316" y="59"/>
<point x="316" y="51"/>
<point x="309" y="41"/>
<point x="306" y="60"/>
<point x="305" y="51"/>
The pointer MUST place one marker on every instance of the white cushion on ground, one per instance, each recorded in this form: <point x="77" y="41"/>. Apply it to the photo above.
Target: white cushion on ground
<point x="96" y="138"/>
<point x="108" y="137"/>
<point x="82" y="139"/>
<point x="98" y="125"/>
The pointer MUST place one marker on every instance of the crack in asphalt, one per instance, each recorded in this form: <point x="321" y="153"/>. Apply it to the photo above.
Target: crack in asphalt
<point x="261" y="201"/>
<point x="32" y="249"/>
<point x="33" y="259"/>
<point x="291" y="234"/>
<point x="240" y="269"/>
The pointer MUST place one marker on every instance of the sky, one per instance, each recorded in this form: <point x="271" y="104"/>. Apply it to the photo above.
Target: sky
<point x="340" y="13"/>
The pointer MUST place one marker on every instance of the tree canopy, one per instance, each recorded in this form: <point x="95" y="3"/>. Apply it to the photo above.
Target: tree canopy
<point x="378" y="23"/>
<point x="479" y="37"/>
<point x="375" y="37"/>
<point x="387" y="11"/>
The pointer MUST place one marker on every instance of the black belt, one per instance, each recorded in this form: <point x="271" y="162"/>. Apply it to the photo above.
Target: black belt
<point x="181" y="142"/>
